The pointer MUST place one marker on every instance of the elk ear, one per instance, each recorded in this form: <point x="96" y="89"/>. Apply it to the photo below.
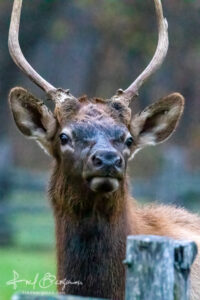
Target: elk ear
<point x="157" y="122"/>
<point x="32" y="117"/>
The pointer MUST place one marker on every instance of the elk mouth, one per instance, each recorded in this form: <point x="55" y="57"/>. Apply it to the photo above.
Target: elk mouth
<point x="103" y="184"/>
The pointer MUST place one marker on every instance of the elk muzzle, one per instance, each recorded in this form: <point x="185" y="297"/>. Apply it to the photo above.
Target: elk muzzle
<point x="104" y="170"/>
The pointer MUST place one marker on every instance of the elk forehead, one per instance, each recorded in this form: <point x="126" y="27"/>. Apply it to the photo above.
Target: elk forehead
<point x="86" y="110"/>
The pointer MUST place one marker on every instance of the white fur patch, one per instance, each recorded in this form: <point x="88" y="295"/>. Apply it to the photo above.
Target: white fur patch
<point x="66" y="148"/>
<point x="173" y="112"/>
<point x="45" y="149"/>
<point x="27" y="123"/>
<point x="148" y="139"/>
<point x="67" y="131"/>
<point x="96" y="182"/>
<point x="134" y="153"/>
<point x="126" y="152"/>
<point x="160" y="127"/>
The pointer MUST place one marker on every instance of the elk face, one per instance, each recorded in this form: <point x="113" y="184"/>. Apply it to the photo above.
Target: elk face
<point x="93" y="140"/>
<point x="96" y="152"/>
<point x="95" y="147"/>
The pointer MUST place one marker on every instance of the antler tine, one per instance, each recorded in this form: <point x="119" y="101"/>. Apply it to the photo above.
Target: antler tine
<point x="157" y="60"/>
<point x="16" y="53"/>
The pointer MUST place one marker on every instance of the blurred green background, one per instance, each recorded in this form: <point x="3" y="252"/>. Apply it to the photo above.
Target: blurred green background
<point x="93" y="47"/>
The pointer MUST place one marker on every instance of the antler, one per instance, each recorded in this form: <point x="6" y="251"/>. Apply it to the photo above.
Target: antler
<point x="127" y="95"/>
<point x="16" y="53"/>
<point x="156" y="62"/>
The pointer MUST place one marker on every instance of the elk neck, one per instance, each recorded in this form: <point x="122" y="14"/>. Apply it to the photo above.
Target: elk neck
<point x="91" y="232"/>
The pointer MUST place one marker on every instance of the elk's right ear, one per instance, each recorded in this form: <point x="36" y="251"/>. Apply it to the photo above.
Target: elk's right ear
<point x="32" y="117"/>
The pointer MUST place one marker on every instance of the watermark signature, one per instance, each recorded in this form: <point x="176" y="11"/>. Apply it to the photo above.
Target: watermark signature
<point x="46" y="281"/>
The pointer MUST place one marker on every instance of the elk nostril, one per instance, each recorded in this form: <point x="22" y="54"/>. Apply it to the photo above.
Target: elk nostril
<point x="118" y="162"/>
<point x="97" y="162"/>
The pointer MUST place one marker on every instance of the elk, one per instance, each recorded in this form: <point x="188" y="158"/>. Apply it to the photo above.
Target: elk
<point x="91" y="142"/>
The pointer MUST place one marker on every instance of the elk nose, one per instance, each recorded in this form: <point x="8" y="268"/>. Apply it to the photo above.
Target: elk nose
<point x="105" y="158"/>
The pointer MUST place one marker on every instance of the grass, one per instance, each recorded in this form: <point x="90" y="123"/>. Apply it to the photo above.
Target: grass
<point x="33" y="252"/>
<point x="27" y="264"/>
<point x="33" y="227"/>
<point x="34" y="230"/>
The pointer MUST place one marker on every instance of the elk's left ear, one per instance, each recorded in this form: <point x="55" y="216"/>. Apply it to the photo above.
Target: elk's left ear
<point x="157" y="122"/>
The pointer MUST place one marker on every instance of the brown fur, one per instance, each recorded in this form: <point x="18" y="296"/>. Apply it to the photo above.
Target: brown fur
<point x="91" y="235"/>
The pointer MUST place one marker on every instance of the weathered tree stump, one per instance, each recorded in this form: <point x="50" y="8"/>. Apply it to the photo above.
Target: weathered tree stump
<point x="185" y="253"/>
<point x="158" y="268"/>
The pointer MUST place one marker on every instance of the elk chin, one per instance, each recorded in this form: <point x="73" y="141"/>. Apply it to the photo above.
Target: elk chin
<point x="103" y="184"/>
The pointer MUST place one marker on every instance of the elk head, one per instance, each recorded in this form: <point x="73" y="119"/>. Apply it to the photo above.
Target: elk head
<point x="92" y="139"/>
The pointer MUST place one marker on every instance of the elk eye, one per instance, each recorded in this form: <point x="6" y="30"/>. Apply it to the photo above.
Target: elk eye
<point x="64" y="139"/>
<point x="129" y="142"/>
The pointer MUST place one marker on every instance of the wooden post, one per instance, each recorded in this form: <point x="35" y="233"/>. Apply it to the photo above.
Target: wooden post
<point x="150" y="268"/>
<point x="158" y="268"/>
<point x="185" y="253"/>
